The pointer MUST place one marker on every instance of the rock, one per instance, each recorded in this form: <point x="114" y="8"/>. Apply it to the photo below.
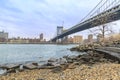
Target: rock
<point x="46" y="67"/>
<point x="48" y="64"/>
<point x="34" y="63"/>
<point x="56" y="64"/>
<point x="86" y="59"/>
<point x="65" y="56"/>
<point x="62" y="61"/>
<point x="11" y="70"/>
<point x="57" y="69"/>
<point x="52" y="60"/>
<point x="76" y="63"/>
<point x="40" y="79"/>
<point x="79" y="56"/>
<point x="9" y="66"/>
<point x="21" y="68"/>
<point x="96" y="59"/>
<point x="3" y="72"/>
<point x="72" y="66"/>
<point x="70" y="61"/>
<point x="29" y="66"/>
<point x="73" y="49"/>
<point x="72" y="57"/>
<point x="65" y="66"/>
<point x="103" y="60"/>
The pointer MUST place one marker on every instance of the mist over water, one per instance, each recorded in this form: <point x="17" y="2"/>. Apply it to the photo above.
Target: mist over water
<point x="13" y="53"/>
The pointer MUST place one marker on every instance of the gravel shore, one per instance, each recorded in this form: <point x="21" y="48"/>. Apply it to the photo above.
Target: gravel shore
<point x="100" y="71"/>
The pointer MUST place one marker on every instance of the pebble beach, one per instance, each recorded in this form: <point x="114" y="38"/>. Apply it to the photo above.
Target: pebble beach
<point x="89" y="66"/>
<point x="101" y="71"/>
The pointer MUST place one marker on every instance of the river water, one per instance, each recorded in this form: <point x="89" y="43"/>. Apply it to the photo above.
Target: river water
<point x="13" y="53"/>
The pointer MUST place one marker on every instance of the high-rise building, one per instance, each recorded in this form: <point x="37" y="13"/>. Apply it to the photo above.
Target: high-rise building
<point x="41" y="37"/>
<point x="3" y="36"/>
<point x="77" y="39"/>
<point x="90" y="38"/>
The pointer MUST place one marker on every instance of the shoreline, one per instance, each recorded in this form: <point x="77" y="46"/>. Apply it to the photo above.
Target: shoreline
<point x="57" y="66"/>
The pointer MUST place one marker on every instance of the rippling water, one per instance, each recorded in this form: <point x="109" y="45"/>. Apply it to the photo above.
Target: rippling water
<point x="12" y="53"/>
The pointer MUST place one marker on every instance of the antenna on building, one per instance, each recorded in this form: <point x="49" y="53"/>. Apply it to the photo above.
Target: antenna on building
<point x="62" y="23"/>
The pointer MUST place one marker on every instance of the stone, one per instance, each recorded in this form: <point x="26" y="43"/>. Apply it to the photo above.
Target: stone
<point x="29" y="66"/>
<point x="56" y="64"/>
<point x="72" y="66"/>
<point x="9" y="66"/>
<point x="70" y="61"/>
<point x="21" y="68"/>
<point x="52" y="60"/>
<point x="34" y="63"/>
<point x="62" y="61"/>
<point x="11" y="70"/>
<point x="86" y="59"/>
<point x="46" y="67"/>
<point x="48" y="64"/>
<point x="57" y="69"/>
<point x="72" y="57"/>
<point x="3" y="72"/>
<point x="65" y="56"/>
<point x="76" y="63"/>
<point x="40" y="79"/>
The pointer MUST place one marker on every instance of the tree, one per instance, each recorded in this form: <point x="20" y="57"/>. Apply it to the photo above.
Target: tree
<point x="104" y="29"/>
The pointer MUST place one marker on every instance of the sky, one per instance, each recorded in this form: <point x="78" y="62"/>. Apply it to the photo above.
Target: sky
<point x="29" y="18"/>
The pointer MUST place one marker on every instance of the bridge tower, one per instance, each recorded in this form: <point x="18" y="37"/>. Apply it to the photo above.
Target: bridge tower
<point x="59" y="32"/>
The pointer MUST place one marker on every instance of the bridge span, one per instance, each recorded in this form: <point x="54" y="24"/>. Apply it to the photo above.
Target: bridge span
<point x="107" y="16"/>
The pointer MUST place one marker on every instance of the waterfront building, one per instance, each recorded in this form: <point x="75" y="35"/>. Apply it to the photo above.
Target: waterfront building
<point x="19" y="41"/>
<point x="41" y="37"/>
<point x="70" y="40"/>
<point x="77" y="39"/>
<point x="3" y="36"/>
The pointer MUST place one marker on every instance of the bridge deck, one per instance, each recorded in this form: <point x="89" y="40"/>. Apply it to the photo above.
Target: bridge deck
<point x="111" y="15"/>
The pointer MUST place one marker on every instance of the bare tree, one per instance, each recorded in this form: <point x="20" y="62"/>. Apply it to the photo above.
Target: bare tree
<point x="104" y="29"/>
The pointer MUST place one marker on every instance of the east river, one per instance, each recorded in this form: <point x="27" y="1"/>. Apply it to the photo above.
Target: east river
<point x="14" y="53"/>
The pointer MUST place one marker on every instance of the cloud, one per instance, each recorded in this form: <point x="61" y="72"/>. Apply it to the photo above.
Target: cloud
<point x="31" y="17"/>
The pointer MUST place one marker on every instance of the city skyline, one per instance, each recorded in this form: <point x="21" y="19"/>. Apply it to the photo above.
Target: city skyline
<point x="30" y="18"/>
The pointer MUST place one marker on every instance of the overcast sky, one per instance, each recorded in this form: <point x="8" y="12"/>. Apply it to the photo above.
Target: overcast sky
<point x="29" y="18"/>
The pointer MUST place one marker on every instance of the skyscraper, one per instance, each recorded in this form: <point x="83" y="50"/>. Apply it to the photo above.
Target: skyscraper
<point x="3" y="36"/>
<point x="41" y="37"/>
